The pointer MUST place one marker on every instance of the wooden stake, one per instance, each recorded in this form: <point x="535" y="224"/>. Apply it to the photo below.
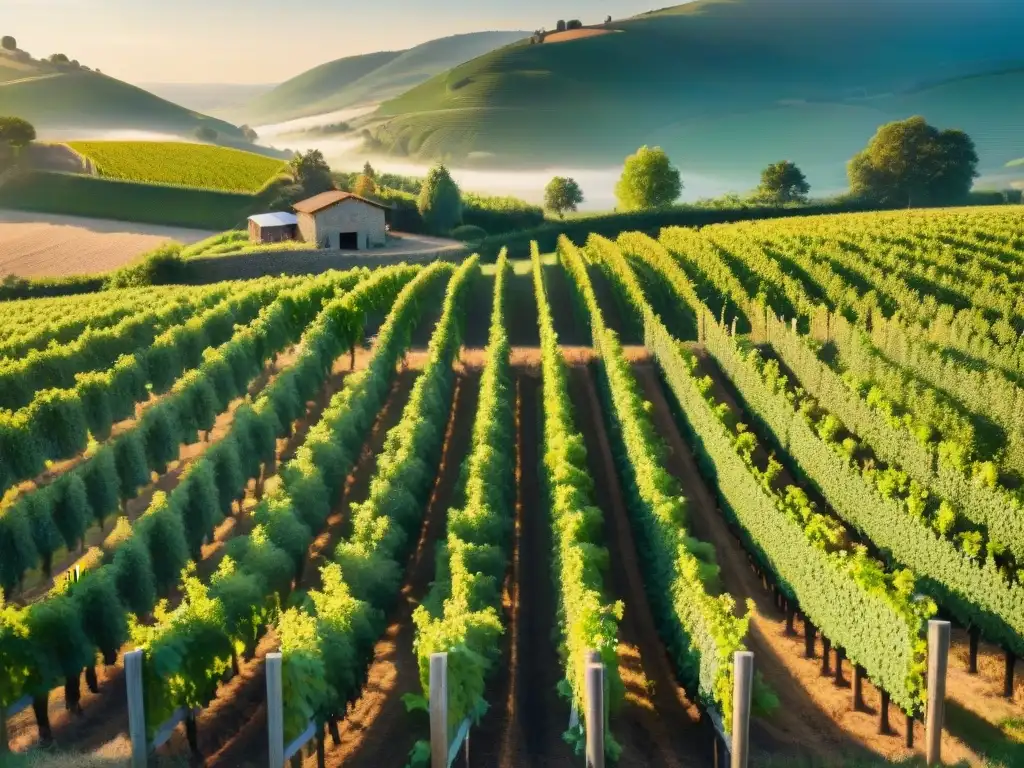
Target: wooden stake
<point x="594" y="715"/>
<point x="742" y="695"/>
<point x="439" y="710"/>
<point x="275" y="710"/>
<point x="136" y="708"/>
<point x="938" y="663"/>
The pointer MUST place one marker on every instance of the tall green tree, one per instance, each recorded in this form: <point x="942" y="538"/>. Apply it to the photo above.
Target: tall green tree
<point x="440" y="201"/>
<point x="8" y="43"/>
<point x="368" y="171"/>
<point x="364" y="186"/>
<point x="783" y="182"/>
<point x="562" y="194"/>
<point x="312" y="172"/>
<point x="649" y="180"/>
<point x="16" y="133"/>
<point x="910" y="162"/>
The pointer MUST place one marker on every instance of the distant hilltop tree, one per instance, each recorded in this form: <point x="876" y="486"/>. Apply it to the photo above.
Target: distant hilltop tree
<point x="649" y="180"/>
<point x="909" y="163"/>
<point x="312" y="172"/>
<point x="782" y="183"/>
<point x="608" y="20"/>
<point x="248" y="133"/>
<point x="560" y="26"/>
<point x="562" y="194"/>
<point x="8" y="43"/>
<point x="574" y="24"/>
<point x="206" y="133"/>
<point x="368" y="171"/>
<point x="59" y="59"/>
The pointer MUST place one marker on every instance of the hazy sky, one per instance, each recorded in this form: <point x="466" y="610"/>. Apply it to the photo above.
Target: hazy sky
<point x="264" y="41"/>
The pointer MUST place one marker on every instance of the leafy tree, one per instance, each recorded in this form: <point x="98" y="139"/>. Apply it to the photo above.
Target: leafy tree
<point x="440" y="201"/>
<point x="16" y="132"/>
<point x="649" y="180"/>
<point x="560" y="26"/>
<point x="783" y="182"/>
<point x="206" y="133"/>
<point x="364" y="186"/>
<point x="312" y="172"/>
<point x="8" y="43"/>
<point x="608" y="20"/>
<point x="369" y="172"/>
<point x="248" y="133"/>
<point x="574" y="24"/>
<point x="59" y="58"/>
<point x="910" y="163"/>
<point x="562" y="194"/>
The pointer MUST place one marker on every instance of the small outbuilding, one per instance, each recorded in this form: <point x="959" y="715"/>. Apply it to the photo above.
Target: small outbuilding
<point x="273" y="227"/>
<point x="341" y="220"/>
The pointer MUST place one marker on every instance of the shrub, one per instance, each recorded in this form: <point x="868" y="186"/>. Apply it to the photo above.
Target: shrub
<point x="227" y="473"/>
<point x="132" y="468"/>
<point x="102" y="484"/>
<point x="60" y="424"/>
<point x="17" y="549"/>
<point x="200" y="506"/>
<point x="468" y="233"/>
<point x="70" y="508"/>
<point x="164" y="535"/>
<point x="103" y="614"/>
<point x="163" y="266"/>
<point x="161" y="439"/>
<point x="440" y="201"/>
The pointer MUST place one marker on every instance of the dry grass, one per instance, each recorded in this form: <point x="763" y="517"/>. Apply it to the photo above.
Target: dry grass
<point x="576" y="34"/>
<point x="115" y="754"/>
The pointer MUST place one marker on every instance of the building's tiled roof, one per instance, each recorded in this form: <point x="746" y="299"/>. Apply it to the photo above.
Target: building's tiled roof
<point x="327" y="199"/>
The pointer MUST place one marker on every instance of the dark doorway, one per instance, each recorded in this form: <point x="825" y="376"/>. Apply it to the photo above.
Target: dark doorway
<point x="348" y="241"/>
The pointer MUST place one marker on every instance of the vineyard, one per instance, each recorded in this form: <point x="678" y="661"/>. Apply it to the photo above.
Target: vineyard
<point x="802" y="438"/>
<point x="200" y="166"/>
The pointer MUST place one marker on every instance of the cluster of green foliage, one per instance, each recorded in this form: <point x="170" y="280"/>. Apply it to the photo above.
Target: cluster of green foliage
<point x="562" y="194"/>
<point x="54" y="638"/>
<point x="440" y="201"/>
<point x="649" y="181"/>
<point x="589" y="621"/>
<point x="872" y="613"/>
<point x="198" y="166"/>
<point x="462" y="614"/>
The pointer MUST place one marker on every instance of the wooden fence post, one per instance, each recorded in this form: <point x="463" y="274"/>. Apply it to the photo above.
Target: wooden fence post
<point x="938" y="662"/>
<point x="742" y="693"/>
<point x="275" y="710"/>
<point x="439" y="710"/>
<point x="594" y="692"/>
<point x="136" y="708"/>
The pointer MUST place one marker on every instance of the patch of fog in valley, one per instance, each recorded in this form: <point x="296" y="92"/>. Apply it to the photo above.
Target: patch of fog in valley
<point x="342" y="151"/>
<point x="104" y="134"/>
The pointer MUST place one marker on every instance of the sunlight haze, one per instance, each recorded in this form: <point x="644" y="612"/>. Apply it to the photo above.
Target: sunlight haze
<point x="262" y="41"/>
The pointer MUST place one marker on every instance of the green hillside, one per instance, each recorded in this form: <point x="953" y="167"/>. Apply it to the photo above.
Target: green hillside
<point x="727" y="86"/>
<point x="73" y="99"/>
<point x="370" y="77"/>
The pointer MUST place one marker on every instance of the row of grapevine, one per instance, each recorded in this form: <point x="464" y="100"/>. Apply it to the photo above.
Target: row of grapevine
<point x="700" y="630"/>
<point x="923" y="532"/>
<point x="461" y="616"/>
<point x="971" y="487"/>
<point x="586" y="619"/>
<point x="43" y="327"/>
<point x="327" y="643"/>
<point x="188" y="651"/>
<point x="871" y="613"/>
<point x="57" y="366"/>
<point x="36" y="524"/>
<point x="58" y="423"/>
<point x="57" y="637"/>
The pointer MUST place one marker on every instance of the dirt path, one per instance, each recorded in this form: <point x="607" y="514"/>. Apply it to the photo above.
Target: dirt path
<point x="815" y="717"/>
<point x="378" y="730"/>
<point x="658" y="725"/>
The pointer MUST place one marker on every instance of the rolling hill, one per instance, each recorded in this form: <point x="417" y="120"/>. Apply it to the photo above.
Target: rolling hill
<point x="726" y="86"/>
<point x="61" y="99"/>
<point x="370" y="77"/>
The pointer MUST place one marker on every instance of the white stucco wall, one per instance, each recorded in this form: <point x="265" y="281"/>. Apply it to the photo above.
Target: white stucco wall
<point x="347" y="216"/>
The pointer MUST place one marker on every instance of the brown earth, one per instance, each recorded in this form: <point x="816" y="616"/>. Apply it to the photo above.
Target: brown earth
<point x="49" y="245"/>
<point x="576" y="34"/>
